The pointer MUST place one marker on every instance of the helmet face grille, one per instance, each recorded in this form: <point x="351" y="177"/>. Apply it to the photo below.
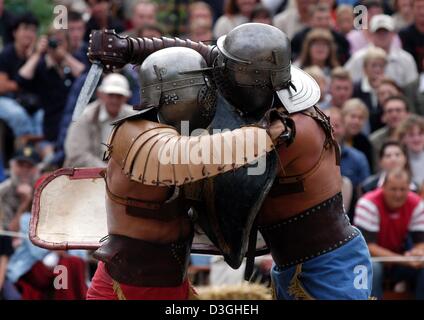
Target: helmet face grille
<point x="207" y="101"/>
<point x="248" y="99"/>
<point x="221" y="80"/>
<point x="195" y="104"/>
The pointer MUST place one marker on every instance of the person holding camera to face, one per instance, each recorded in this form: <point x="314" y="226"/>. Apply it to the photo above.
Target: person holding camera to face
<point x="49" y="72"/>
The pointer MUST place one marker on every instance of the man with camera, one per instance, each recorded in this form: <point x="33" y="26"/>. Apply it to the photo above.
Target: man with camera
<point x="18" y="107"/>
<point x="49" y="72"/>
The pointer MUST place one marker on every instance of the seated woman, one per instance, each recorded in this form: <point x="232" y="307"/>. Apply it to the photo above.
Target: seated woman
<point x="392" y="155"/>
<point x="355" y="115"/>
<point x="411" y="133"/>
<point x="319" y="49"/>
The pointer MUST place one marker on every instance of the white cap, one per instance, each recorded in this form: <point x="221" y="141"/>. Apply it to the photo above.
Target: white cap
<point x="115" y="83"/>
<point x="382" y="21"/>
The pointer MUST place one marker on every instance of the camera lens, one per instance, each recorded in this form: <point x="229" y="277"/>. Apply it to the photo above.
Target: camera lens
<point x="53" y="43"/>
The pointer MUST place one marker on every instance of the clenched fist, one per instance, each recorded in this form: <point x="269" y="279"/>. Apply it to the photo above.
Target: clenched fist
<point x="111" y="49"/>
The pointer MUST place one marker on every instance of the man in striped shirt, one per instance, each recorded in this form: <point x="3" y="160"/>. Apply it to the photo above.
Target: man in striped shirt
<point x="390" y="218"/>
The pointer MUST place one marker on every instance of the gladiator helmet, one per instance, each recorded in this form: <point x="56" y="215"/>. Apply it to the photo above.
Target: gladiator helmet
<point x="254" y="63"/>
<point x="174" y="81"/>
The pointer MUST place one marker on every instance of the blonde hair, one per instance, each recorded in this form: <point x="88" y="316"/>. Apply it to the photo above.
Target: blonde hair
<point x="374" y="53"/>
<point x="342" y="9"/>
<point x="411" y="121"/>
<point x="333" y="111"/>
<point x="199" y="4"/>
<point x="340" y="73"/>
<point x="355" y="104"/>
<point x="316" y="73"/>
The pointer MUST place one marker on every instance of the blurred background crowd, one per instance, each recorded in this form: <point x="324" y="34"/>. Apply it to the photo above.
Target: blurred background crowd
<point x="369" y="64"/>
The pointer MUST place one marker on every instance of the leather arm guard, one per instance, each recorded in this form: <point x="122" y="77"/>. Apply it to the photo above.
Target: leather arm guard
<point x="115" y="51"/>
<point x="287" y="136"/>
<point x="156" y="154"/>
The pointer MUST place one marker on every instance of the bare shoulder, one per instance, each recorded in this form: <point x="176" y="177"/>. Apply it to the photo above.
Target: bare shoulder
<point x="309" y="136"/>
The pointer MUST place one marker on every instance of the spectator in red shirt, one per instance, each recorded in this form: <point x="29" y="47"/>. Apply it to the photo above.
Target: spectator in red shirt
<point x="388" y="217"/>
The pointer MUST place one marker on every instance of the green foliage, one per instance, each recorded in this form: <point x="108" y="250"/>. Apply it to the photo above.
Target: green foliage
<point x="42" y="9"/>
<point x="172" y="15"/>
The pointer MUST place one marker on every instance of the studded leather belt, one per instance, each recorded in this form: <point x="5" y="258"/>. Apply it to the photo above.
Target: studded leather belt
<point x="309" y="234"/>
<point x="141" y="263"/>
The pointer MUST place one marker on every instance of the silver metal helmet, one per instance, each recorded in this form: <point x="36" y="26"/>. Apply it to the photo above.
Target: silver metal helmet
<point x="174" y="81"/>
<point x="253" y="64"/>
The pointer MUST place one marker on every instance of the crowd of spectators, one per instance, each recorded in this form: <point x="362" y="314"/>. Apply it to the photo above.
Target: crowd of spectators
<point x="370" y="71"/>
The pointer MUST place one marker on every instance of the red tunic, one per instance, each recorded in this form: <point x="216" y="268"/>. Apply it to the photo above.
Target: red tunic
<point x="103" y="287"/>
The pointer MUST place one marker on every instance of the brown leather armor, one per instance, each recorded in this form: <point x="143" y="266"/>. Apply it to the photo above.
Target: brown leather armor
<point x="140" y="146"/>
<point x="141" y="263"/>
<point x="136" y="145"/>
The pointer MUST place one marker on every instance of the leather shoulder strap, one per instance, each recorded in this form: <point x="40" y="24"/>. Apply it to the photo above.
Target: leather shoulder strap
<point x="294" y="184"/>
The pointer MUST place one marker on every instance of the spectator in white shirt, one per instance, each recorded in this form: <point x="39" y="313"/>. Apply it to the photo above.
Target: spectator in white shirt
<point x="83" y="144"/>
<point x="400" y="64"/>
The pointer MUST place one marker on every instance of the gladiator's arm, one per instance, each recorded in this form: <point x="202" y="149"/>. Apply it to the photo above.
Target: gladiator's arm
<point x="115" y="51"/>
<point x="156" y="154"/>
